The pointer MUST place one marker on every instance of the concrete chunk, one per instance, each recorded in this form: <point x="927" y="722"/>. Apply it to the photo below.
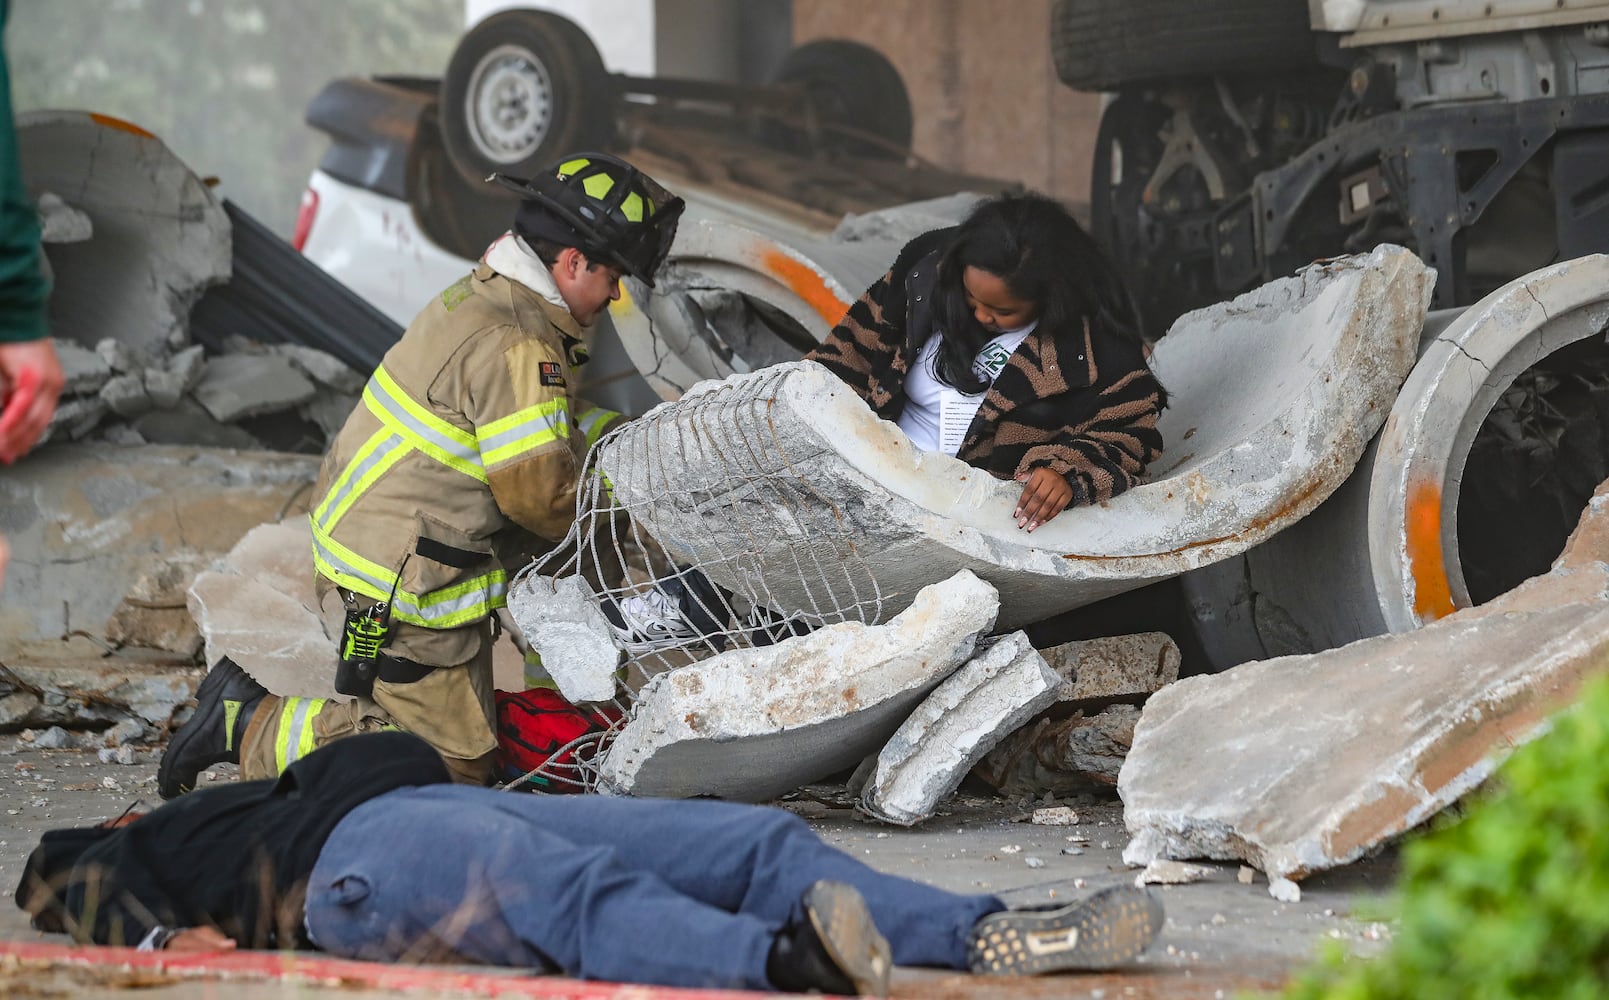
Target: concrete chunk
<point x="750" y="724"/>
<point x="126" y="395"/>
<point x="60" y="222"/>
<point x="1007" y="684"/>
<point x="1062" y="756"/>
<point x="325" y="369"/>
<point x="1115" y="668"/>
<point x="85" y="371"/>
<point x="1303" y="763"/>
<point x="561" y="620"/>
<point x="245" y="385"/>
<point x="260" y="610"/>
<point x="766" y="463"/>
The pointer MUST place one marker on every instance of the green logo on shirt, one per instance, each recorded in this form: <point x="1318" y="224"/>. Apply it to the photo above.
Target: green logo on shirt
<point x="991" y="361"/>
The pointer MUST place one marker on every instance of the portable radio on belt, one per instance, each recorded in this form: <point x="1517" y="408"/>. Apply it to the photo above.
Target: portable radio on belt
<point x="365" y="632"/>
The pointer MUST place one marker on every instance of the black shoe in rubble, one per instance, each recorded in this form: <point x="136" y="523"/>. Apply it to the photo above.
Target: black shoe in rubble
<point x="1111" y="928"/>
<point x="224" y="703"/>
<point x="833" y="948"/>
<point x="676" y="612"/>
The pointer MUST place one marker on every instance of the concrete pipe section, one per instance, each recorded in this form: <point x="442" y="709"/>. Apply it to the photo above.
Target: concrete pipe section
<point x="157" y="237"/>
<point x="739" y="294"/>
<point x="1387" y="553"/>
<point x="787" y="489"/>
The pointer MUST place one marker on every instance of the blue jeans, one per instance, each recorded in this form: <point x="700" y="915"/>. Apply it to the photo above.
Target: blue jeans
<point x="672" y="893"/>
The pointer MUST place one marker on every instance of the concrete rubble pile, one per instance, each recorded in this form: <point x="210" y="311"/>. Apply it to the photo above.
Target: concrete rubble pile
<point x="133" y="240"/>
<point x="1299" y="764"/>
<point x="114" y="536"/>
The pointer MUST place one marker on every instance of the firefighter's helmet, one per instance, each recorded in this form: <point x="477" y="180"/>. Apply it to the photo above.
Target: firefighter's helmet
<point x="601" y="205"/>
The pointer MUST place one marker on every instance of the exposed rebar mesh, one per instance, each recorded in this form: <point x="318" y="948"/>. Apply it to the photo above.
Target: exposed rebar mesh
<point x="678" y="591"/>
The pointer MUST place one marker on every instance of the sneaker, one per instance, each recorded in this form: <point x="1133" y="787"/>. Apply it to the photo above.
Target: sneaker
<point x="677" y="612"/>
<point x="1109" y="929"/>
<point x="834" y="948"/>
<point x="224" y="703"/>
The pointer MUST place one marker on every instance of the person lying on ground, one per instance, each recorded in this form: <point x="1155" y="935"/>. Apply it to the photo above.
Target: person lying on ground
<point x="1011" y="343"/>
<point x="366" y="849"/>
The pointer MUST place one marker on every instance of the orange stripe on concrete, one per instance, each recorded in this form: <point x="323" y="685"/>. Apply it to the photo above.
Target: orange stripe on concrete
<point x="807" y="284"/>
<point x="120" y="124"/>
<point x="1432" y="594"/>
<point x="431" y="981"/>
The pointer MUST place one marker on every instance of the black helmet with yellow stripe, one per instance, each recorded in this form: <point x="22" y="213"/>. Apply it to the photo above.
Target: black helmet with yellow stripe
<point x="601" y="205"/>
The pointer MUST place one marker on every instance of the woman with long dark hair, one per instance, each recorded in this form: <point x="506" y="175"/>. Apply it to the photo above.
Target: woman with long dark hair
<point x="1010" y="342"/>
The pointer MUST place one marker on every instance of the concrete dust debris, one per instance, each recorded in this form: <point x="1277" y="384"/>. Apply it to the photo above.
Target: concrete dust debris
<point x="1005" y="685"/>
<point x="60" y="222"/>
<point x="750" y="724"/>
<point x="1164" y="872"/>
<point x="1054" y="816"/>
<point x="1303" y="763"/>
<point x="152" y="613"/>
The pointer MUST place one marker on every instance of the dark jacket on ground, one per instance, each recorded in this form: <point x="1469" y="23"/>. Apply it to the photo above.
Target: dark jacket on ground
<point x="233" y="857"/>
<point x="1088" y="413"/>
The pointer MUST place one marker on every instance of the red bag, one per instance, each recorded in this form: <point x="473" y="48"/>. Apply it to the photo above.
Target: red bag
<point x="532" y="726"/>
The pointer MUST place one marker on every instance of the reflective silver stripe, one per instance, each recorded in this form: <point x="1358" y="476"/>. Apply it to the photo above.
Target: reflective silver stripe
<point x="557" y="422"/>
<point x="594" y="417"/>
<point x="355" y="475"/>
<point x="293" y="739"/>
<point x="403" y="604"/>
<point x="378" y="395"/>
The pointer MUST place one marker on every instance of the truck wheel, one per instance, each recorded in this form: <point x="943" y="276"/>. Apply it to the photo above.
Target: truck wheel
<point x="1109" y="44"/>
<point x="523" y="88"/>
<point x="857" y="88"/>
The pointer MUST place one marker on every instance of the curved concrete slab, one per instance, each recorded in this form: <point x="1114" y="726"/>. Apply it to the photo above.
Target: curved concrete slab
<point x="1382" y="554"/>
<point x="159" y="236"/>
<point x="788" y="490"/>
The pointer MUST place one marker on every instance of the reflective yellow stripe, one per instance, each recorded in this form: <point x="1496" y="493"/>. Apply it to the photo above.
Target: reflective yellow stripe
<point x="461" y="604"/>
<point x="452" y="446"/>
<point x="383" y="450"/>
<point x="595" y="421"/>
<point x="524" y="431"/>
<point x="295" y="737"/>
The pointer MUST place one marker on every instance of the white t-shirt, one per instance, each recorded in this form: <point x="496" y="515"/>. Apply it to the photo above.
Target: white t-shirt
<point x="936" y="416"/>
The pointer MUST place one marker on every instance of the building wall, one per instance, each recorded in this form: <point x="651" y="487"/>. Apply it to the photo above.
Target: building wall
<point x="983" y="88"/>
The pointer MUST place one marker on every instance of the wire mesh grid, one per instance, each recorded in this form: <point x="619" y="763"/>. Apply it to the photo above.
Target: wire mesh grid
<point x="679" y="515"/>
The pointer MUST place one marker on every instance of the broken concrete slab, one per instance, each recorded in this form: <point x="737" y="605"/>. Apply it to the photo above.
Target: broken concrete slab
<point x="125" y="395"/>
<point x="152" y="615"/>
<point x="1303" y="763"/>
<point x="259" y="608"/>
<point x="325" y="369"/>
<point x="91" y="692"/>
<point x="235" y="386"/>
<point x="85" y="521"/>
<point x="1062" y="756"/>
<point x="738" y="475"/>
<point x="752" y="723"/>
<point x="1005" y="685"/>
<point x="1114" y="668"/>
<point x="160" y="237"/>
<point x="189" y="424"/>
<point x="561" y="620"/>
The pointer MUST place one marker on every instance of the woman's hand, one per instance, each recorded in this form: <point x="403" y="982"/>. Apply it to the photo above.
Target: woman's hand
<point x="1045" y="494"/>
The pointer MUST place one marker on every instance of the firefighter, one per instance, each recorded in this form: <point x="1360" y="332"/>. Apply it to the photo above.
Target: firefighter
<point x="467" y="443"/>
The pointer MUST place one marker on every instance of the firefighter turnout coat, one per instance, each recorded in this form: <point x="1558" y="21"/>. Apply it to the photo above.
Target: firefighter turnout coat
<point x="466" y="439"/>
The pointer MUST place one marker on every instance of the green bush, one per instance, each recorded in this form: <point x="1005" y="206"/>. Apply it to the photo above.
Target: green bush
<point x="1512" y="899"/>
